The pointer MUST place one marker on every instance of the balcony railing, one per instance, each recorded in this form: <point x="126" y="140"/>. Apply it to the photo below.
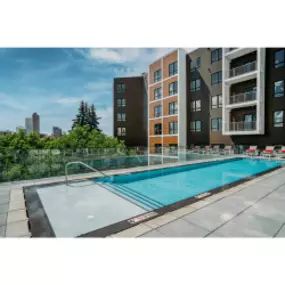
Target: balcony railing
<point x="243" y="97"/>
<point x="243" y="69"/>
<point x="242" y="126"/>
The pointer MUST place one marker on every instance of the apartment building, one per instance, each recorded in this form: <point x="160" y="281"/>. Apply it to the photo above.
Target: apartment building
<point x="167" y="101"/>
<point x="130" y="110"/>
<point x="254" y="101"/>
<point x="236" y="96"/>
<point x="223" y="96"/>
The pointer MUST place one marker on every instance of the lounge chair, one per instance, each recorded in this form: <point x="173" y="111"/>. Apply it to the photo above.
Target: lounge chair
<point x="252" y="150"/>
<point x="269" y="151"/>
<point x="281" y="152"/>
<point x="216" y="149"/>
<point x="196" y="149"/>
<point x="207" y="149"/>
<point x="228" y="149"/>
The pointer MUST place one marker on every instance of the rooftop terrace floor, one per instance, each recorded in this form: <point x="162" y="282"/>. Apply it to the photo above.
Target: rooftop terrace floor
<point x="252" y="209"/>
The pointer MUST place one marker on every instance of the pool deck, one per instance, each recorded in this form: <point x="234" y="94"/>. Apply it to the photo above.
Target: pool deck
<point x="252" y="209"/>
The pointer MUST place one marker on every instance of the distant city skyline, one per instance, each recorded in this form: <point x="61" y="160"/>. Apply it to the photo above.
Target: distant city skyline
<point x="53" y="81"/>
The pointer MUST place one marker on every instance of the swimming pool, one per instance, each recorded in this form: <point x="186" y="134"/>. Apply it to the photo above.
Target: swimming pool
<point x="103" y="206"/>
<point x="159" y="188"/>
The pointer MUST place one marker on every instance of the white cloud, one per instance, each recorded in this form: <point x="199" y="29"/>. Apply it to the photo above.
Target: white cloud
<point x="69" y="100"/>
<point x="99" y="86"/>
<point x="106" y="122"/>
<point x="7" y="101"/>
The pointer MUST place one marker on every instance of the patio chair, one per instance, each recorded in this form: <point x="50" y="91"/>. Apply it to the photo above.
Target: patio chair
<point x="207" y="149"/>
<point x="269" y="151"/>
<point x="196" y="149"/>
<point x="215" y="149"/>
<point x="281" y="152"/>
<point x="252" y="150"/>
<point x="228" y="149"/>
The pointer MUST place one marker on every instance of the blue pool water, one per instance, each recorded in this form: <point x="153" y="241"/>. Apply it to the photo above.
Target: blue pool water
<point x="158" y="188"/>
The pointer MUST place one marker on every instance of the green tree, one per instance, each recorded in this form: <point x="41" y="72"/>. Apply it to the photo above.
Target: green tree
<point x="93" y="119"/>
<point x="82" y="116"/>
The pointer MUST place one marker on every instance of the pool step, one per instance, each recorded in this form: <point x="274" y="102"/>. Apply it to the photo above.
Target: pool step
<point x="144" y="201"/>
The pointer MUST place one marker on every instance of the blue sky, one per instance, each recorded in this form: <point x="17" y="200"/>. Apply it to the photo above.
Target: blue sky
<point x="52" y="82"/>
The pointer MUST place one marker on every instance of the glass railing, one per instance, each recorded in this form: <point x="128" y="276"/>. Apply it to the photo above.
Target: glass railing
<point x="243" y="97"/>
<point x="242" y="126"/>
<point x="243" y="69"/>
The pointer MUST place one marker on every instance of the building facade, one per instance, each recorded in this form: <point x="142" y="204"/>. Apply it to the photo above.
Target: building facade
<point x="130" y="110"/>
<point x="215" y="96"/>
<point x="167" y="101"/>
<point x="36" y="123"/>
<point x="29" y="125"/>
<point x="56" y="132"/>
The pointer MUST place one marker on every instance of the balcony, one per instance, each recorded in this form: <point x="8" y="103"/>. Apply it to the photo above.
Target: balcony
<point x="232" y="53"/>
<point x="241" y="73"/>
<point x="242" y="100"/>
<point x="240" y="70"/>
<point x="241" y="128"/>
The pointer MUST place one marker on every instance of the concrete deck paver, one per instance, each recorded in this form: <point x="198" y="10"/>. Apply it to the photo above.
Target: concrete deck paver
<point x="262" y="224"/>
<point x="16" y="216"/>
<point x="162" y="220"/>
<point x="281" y="233"/>
<point x="153" y="234"/>
<point x="232" y="229"/>
<point x="18" y="229"/>
<point x="181" y="228"/>
<point x="3" y="219"/>
<point x="134" y="231"/>
<point x="2" y="231"/>
<point x="4" y="208"/>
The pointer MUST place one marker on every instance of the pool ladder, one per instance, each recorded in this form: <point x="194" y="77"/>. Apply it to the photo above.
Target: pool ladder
<point x="84" y="164"/>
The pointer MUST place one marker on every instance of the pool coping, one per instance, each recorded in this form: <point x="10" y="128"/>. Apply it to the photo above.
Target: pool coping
<point x="131" y="222"/>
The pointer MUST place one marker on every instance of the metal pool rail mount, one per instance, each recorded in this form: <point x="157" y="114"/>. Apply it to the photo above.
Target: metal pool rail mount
<point x="84" y="164"/>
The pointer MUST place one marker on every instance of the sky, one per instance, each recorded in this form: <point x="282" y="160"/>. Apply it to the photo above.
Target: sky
<point x="53" y="81"/>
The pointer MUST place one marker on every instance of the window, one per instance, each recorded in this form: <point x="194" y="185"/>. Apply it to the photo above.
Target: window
<point x="121" y="102"/>
<point x="279" y="88"/>
<point x="157" y="111"/>
<point x="278" y="119"/>
<point x="195" y="126"/>
<point x="121" y="117"/>
<point x="279" y="58"/>
<point x="157" y="75"/>
<point x="173" y="68"/>
<point x="216" y="124"/>
<point x="121" y="87"/>
<point x="158" y="129"/>
<point x="216" y="77"/>
<point x="216" y="55"/>
<point x="121" y="132"/>
<point x="173" y="88"/>
<point x="216" y="101"/>
<point x="158" y="148"/>
<point x="196" y="105"/>
<point x="195" y="85"/>
<point x="173" y="128"/>
<point x="157" y="93"/>
<point x="195" y="64"/>
<point x="173" y="108"/>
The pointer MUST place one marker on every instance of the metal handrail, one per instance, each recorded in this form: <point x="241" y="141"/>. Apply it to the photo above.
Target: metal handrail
<point x="86" y="165"/>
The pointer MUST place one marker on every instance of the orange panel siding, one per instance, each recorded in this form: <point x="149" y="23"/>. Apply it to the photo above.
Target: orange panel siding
<point x="151" y="108"/>
<point x="168" y="60"/>
<point x="166" y="85"/>
<point x="151" y="91"/>
<point x="170" y="140"/>
<point x="166" y="124"/>
<point x="166" y="104"/>
<point x="151" y="126"/>
<point x="152" y="68"/>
